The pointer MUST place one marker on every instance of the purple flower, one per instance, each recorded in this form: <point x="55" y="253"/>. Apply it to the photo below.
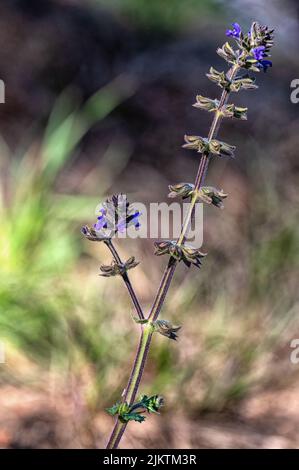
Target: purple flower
<point x="101" y="222"/>
<point x="235" y="32"/>
<point x="136" y="221"/>
<point x="130" y="220"/>
<point x="264" y="64"/>
<point x="116" y="215"/>
<point x="259" y="52"/>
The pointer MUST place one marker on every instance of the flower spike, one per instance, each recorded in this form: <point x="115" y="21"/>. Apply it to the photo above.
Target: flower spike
<point x="252" y="55"/>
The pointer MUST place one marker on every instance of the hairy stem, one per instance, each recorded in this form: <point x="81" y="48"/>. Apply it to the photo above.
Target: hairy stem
<point x="126" y="280"/>
<point x="146" y="334"/>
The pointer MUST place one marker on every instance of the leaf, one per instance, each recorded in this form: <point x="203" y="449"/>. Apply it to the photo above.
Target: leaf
<point x="152" y="404"/>
<point x="113" y="410"/>
<point x="141" y="321"/>
<point x="133" y="417"/>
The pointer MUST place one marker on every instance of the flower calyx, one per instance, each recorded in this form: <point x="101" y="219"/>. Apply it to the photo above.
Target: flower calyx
<point x="184" y="190"/>
<point x="118" y="269"/>
<point x="214" y="146"/>
<point x="211" y="195"/>
<point x="91" y="234"/>
<point x="228" y="110"/>
<point x="165" y="328"/>
<point x="185" y="253"/>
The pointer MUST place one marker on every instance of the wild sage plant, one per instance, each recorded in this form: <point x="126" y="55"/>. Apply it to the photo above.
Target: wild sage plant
<point x="116" y="214"/>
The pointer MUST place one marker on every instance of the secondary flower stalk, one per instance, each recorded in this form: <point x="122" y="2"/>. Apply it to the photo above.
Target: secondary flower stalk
<point x="131" y="263"/>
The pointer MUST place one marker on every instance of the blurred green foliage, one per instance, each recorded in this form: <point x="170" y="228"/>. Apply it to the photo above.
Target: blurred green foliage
<point x="40" y="243"/>
<point x="163" y="15"/>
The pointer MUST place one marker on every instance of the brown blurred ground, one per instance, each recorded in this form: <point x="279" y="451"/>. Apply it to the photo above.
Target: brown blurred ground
<point x="267" y="420"/>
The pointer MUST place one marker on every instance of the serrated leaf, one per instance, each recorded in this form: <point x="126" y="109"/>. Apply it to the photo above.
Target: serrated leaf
<point x="133" y="417"/>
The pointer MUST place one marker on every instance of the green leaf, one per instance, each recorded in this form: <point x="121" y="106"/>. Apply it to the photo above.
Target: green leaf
<point x="151" y="404"/>
<point x="140" y="320"/>
<point x="133" y="417"/>
<point x="113" y="410"/>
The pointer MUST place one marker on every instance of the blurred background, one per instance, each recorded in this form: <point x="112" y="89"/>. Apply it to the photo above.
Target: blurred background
<point x="98" y="98"/>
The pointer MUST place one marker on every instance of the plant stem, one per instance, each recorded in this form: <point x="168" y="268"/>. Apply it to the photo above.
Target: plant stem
<point x="126" y="280"/>
<point x="133" y="384"/>
<point x="146" y="331"/>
